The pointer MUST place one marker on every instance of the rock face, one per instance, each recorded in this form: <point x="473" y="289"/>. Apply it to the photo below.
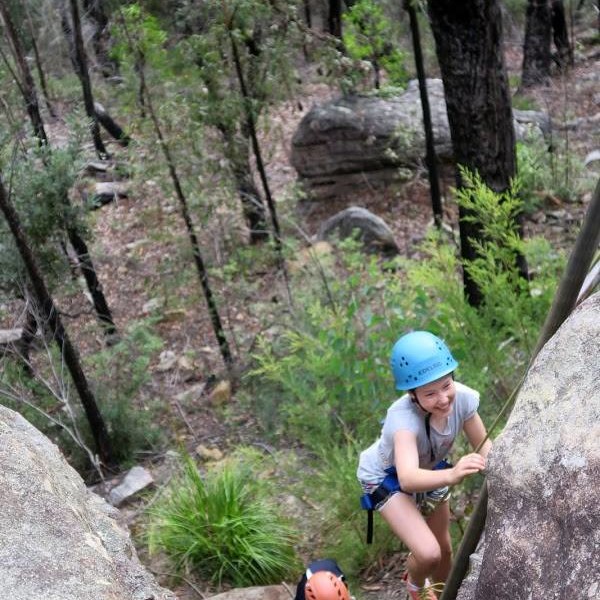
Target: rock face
<point x="58" y="540"/>
<point x="370" y="141"/>
<point x="542" y="534"/>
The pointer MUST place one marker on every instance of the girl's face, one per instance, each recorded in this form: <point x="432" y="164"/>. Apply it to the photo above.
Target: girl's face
<point x="438" y="396"/>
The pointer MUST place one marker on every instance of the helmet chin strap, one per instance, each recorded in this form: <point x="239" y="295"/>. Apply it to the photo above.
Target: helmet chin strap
<point x="414" y="398"/>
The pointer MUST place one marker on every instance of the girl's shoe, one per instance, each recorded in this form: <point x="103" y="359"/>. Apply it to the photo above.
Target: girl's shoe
<point x="417" y="593"/>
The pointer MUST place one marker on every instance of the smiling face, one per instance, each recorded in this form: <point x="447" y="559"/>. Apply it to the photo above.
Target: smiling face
<point x="437" y="397"/>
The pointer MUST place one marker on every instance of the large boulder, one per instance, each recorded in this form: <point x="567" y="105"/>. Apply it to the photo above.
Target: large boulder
<point x="58" y="540"/>
<point x="369" y="141"/>
<point x="542" y="533"/>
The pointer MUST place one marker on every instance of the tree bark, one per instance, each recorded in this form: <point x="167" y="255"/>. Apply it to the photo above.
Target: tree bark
<point x="84" y="77"/>
<point x="238" y="152"/>
<point x="95" y="11"/>
<point x="38" y="64"/>
<point x="468" y="38"/>
<point x="431" y="158"/>
<point x="536" y="47"/>
<point x="51" y="316"/>
<point x="560" y="34"/>
<point x="334" y="18"/>
<point x="26" y="84"/>
<point x="91" y="278"/>
<point x="113" y="128"/>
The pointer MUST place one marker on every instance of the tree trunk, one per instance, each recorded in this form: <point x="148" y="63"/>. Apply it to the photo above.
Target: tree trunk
<point x="115" y="130"/>
<point x="536" y="47"/>
<point x="84" y="77"/>
<point x="560" y="34"/>
<point x="76" y="240"/>
<point x="94" y="11"/>
<point x="50" y="314"/>
<point x="38" y="64"/>
<point x="26" y="83"/>
<point x="334" y="18"/>
<point x="91" y="278"/>
<point x="253" y="207"/>
<point x="431" y="158"/>
<point x="468" y="37"/>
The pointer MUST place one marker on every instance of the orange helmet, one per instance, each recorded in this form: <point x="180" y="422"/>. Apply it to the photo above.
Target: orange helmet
<point x="324" y="585"/>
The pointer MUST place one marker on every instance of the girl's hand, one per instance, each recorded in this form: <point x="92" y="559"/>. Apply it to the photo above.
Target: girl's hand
<point x="467" y="465"/>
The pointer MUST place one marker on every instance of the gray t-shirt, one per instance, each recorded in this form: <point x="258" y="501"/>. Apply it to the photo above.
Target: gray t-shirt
<point x="404" y="414"/>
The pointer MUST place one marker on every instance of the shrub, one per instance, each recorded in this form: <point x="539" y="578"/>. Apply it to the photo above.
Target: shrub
<point x="119" y="375"/>
<point x="222" y="526"/>
<point x="327" y="372"/>
<point x="368" y="35"/>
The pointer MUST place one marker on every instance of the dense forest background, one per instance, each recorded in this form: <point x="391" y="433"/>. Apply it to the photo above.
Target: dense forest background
<point x="165" y="296"/>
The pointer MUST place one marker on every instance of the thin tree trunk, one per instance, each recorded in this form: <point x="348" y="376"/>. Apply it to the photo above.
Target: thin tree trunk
<point x="430" y="157"/>
<point x="51" y="316"/>
<point x="26" y="83"/>
<point x="256" y="146"/>
<point x="93" y="284"/>
<point x="185" y="213"/>
<point x="115" y="130"/>
<point x="536" y="47"/>
<point x="38" y="64"/>
<point x="565" y="300"/>
<point x="84" y="78"/>
<point x="199" y="261"/>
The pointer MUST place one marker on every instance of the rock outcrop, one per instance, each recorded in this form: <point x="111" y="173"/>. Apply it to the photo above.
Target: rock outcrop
<point x="368" y="141"/>
<point x="58" y="540"/>
<point x="370" y="229"/>
<point x="542" y="533"/>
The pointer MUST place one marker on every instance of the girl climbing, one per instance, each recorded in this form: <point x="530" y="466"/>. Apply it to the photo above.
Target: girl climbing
<point x="404" y="474"/>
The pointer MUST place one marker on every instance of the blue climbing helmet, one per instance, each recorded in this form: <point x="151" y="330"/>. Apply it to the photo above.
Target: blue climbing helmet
<point x="418" y="358"/>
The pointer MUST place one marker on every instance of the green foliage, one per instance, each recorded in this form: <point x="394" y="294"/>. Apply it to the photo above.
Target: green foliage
<point x="139" y="37"/>
<point x="523" y="103"/>
<point x="343" y="531"/>
<point x="368" y="35"/>
<point x="39" y="185"/>
<point x="328" y="370"/>
<point x="222" y="526"/>
<point x="120" y="373"/>
<point x="549" y="170"/>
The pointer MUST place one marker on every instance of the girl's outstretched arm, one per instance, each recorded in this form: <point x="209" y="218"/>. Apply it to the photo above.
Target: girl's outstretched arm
<point x="475" y="431"/>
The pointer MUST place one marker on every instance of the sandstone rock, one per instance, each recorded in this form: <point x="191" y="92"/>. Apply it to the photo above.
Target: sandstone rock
<point x="136" y="479"/>
<point x="269" y="592"/>
<point x="367" y="141"/>
<point x="372" y="230"/>
<point x="542" y="534"/>
<point x="59" y="540"/>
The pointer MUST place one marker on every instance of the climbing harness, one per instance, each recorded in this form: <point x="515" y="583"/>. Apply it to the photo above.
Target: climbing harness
<point x="427" y="501"/>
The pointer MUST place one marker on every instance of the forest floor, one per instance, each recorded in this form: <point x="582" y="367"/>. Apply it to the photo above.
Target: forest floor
<point x="132" y="265"/>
